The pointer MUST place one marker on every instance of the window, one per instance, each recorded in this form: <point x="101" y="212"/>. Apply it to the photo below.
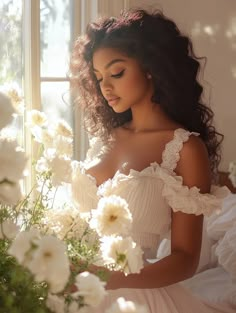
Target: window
<point x="11" y="41"/>
<point x="36" y="39"/>
<point x="11" y="53"/>
<point x="55" y="45"/>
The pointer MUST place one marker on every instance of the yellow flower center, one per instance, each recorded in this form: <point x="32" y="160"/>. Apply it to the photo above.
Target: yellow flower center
<point x="47" y="254"/>
<point x="112" y="218"/>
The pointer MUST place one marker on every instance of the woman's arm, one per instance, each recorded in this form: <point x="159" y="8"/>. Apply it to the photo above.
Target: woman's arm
<point x="186" y="230"/>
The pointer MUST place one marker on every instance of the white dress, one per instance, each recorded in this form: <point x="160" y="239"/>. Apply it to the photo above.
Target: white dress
<point x="151" y="194"/>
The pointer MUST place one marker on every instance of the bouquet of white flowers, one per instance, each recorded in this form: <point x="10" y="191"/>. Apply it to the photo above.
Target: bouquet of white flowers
<point x="48" y="245"/>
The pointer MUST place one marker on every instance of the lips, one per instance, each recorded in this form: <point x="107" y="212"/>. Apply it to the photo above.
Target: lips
<point x="112" y="100"/>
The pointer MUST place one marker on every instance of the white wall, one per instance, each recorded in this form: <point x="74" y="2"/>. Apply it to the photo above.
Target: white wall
<point x="212" y="27"/>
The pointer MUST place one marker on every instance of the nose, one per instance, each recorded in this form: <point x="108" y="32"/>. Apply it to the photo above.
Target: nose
<point x="106" y="85"/>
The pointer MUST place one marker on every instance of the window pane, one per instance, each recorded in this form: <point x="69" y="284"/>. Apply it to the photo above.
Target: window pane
<point x="55" y="17"/>
<point x="56" y="101"/>
<point x="10" y="41"/>
<point x="11" y="70"/>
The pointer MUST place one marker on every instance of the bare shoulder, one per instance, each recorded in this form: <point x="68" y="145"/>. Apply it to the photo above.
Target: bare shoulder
<point x="194" y="164"/>
<point x="194" y="147"/>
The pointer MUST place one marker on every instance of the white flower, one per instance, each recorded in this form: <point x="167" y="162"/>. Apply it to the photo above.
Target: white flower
<point x="14" y="93"/>
<point x="123" y="252"/>
<point x="80" y="182"/>
<point x="91" y="288"/>
<point x="62" y="128"/>
<point x="73" y="307"/>
<point x="60" y="166"/>
<point x="22" y="244"/>
<point x="36" y="118"/>
<point x="135" y="259"/>
<point x="60" y="145"/>
<point x="36" y="121"/>
<point x="63" y="146"/>
<point x="42" y="165"/>
<point x="65" y="221"/>
<point x="9" y="133"/>
<point x="37" y="133"/>
<point x="8" y="229"/>
<point x="10" y="193"/>
<point x="12" y="161"/>
<point x="47" y="138"/>
<point x="61" y="169"/>
<point x="6" y="110"/>
<point x="112" y="216"/>
<point x="42" y="135"/>
<point x="123" y="306"/>
<point x="50" y="263"/>
<point x="55" y="303"/>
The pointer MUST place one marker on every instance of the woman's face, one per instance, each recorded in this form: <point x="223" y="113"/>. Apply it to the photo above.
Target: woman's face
<point x="122" y="81"/>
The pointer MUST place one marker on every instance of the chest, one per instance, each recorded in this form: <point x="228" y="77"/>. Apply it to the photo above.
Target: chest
<point x="123" y="155"/>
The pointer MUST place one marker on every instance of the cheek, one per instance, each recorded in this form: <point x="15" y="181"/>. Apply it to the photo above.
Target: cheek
<point x="138" y="84"/>
<point x="135" y="81"/>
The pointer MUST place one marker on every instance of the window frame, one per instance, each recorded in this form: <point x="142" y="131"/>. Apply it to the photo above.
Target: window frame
<point x="31" y="64"/>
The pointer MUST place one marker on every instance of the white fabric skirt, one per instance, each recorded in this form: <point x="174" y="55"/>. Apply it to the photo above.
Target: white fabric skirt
<point x="171" y="299"/>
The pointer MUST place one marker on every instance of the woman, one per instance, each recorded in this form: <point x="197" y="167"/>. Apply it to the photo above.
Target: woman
<point x="137" y="79"/>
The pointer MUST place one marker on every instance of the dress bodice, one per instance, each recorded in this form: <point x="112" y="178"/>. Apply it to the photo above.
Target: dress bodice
<point x="150" y="193"/>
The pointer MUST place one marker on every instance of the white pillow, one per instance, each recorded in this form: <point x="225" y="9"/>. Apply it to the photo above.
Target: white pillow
<point x="218" y="224"/>
<point x="226" y="252"/>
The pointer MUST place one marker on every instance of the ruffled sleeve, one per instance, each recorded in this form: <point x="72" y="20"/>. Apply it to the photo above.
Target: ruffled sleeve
<point x="189" y="200"/>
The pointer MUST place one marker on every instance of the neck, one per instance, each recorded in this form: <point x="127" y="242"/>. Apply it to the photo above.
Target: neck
<point x="149" y="118"/>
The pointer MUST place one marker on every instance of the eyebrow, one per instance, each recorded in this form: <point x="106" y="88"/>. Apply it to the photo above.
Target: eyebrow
<point x="111" y="63"/>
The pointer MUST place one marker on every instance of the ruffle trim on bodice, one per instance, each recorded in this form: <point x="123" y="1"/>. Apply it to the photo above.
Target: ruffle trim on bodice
<point x="178" y="196"/>
<point x="182" y="198"/>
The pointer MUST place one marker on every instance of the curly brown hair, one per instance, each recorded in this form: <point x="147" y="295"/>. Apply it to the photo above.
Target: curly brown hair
<point x="164" y="52"/>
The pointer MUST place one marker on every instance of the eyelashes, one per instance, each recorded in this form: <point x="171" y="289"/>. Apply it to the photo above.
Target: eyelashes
<point x="118" y="75"/>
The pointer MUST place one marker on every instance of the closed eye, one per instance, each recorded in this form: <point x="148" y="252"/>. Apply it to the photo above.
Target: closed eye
<point x="118" y="75"/>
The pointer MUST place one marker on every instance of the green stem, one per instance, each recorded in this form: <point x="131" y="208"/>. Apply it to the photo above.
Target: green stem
<point x="54" y="197"/>
<point x="39" y="198"/>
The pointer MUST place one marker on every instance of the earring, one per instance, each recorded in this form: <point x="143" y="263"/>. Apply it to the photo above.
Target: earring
<point x="149" y="76"/>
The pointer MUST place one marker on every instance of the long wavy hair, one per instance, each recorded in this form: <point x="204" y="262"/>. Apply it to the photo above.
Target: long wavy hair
<point x="164" y="52"/>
